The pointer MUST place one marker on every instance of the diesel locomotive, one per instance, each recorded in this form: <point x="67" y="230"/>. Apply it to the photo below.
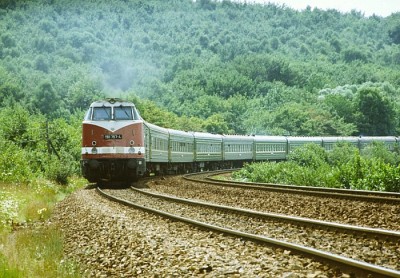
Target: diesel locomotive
<point x="118" y="145"/>
<point x="112" y="142"/>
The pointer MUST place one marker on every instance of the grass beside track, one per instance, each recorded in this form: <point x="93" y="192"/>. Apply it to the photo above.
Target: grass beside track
<point x="30" y="246"/>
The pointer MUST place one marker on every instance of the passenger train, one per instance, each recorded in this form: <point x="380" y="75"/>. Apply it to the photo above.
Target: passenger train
<point x="118" y="145"/>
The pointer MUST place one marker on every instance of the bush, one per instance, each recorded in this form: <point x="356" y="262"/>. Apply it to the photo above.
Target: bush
<point x="309" y="155"/>
<point x="308" y="166"/>
<point x="59" y="169"/>
<point x="14" y="167"/>
<point x="378" y="175"/>
<point x="24" y="146"/>
<point x="341" y="153"/>
<point x="380" y="151"/>
<point x="348" y="173"/>
<point x="287" y="173"/>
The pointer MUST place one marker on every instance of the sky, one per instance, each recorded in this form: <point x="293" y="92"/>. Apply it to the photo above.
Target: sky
<point x="367" y="7"/>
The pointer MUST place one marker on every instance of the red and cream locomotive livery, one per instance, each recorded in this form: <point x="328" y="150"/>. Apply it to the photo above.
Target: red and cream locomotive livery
<point x="113" y="142"/>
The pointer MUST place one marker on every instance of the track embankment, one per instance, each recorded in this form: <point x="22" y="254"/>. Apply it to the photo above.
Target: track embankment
<point x="111" y="240"/>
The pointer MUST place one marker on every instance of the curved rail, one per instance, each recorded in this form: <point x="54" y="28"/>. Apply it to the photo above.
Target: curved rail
<point x="356" y="265"/>
<point x="294" y="219"/>
<point x="363" y="195"/>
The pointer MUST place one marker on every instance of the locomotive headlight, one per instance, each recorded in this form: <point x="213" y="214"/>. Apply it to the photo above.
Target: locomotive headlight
<point x="94" y="150"/>
<point x="131" y="142"/>
<point x="94" y="143"/>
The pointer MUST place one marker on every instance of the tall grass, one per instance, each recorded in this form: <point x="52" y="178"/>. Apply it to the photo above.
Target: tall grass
<point x="35" y="253"/>
<point x="29" y="247"/>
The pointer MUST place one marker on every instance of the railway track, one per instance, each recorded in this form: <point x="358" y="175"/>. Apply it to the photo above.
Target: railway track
<point x="381" y="215"/>
<point x="363" y="250"/>
<point x="370" y="196"/>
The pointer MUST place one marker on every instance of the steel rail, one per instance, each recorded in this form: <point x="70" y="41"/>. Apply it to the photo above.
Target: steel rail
<point x="294" y="219"/>
<point x="348" y="262"/>
<point x="361" y="195"/>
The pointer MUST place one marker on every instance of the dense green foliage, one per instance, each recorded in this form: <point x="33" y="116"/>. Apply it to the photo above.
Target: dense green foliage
<point x="375" y="168"/>
<point x="242" y="68"/>
<point x="206" y="65"/>
<point x="32" y="147"/>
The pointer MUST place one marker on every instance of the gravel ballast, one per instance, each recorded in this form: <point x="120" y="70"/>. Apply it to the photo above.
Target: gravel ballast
<point x="360" y="213"/>
<point x="110" y="240"/>
<point x="372" y="249"/>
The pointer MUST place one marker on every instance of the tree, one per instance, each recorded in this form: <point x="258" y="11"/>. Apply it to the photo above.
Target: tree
<point x="267" y="54"/>
<point x="341" y="106"/>
<point x="376" y="114"/>
<point x="46" y="99"/>
<point x="207" y="4"/>
<point x="14" y="124"/>
<point x="7" y="40"/>
<point x="82" y="93"/>
<point x="216" y="124"/>
<point x="41" y="63"/>
<point x="10" y="88"/>
<point x="310" y="120"/>
<point x="354" y="54"/>
<point x="394" y="33"/>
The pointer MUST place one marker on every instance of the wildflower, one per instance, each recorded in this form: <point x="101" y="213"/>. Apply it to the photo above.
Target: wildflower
<point x="41" y="211"/>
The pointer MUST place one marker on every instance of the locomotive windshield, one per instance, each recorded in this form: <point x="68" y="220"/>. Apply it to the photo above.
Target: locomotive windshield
<point x="101" y="114"/>
<point x="108" y="113"/>
<point x="123" y="113"/>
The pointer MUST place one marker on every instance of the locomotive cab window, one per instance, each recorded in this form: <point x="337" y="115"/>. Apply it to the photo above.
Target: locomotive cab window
<point x="117" y="113"/>
<point x="101" y="113"/>
<point x="123" y="113"/>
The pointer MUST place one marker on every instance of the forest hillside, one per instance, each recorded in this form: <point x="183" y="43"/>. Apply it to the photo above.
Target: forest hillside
<point x="206" y="65"/>
<point x="198" y="65"/>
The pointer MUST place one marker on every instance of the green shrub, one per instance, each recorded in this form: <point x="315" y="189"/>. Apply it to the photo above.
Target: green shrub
<point x="380" y="151"/>
<point x="347" y="169"/>
<point x="378" y="175"/>
<point x="309" y="155"/>
<point x="14" y="167"/>
<point x="341" y="153"/>
<point x="350" y="172"/>
<point x="59" y="169"/>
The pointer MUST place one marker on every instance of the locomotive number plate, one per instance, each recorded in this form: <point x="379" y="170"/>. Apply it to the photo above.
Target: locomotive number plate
<point x="112" y="136"/>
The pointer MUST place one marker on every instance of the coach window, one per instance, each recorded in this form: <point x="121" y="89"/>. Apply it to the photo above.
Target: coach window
<point x="101" y="114"/>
